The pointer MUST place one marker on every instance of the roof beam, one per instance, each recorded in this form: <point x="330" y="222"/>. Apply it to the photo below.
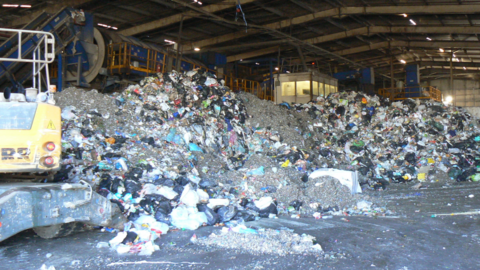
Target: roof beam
<point x="241" y="56"/>
<point x="371" y="30"/>
<point x="270" y="9"/>
<point x="201" y="30"/>
<point x="247" y="45"/>
<point x="165" y="3"/>
<point x="134" y="9"/>
<point x="303" y="5"/>
<point x="436" y="63"/>
<point x="177" y="18"/>
<point x="117" y="19"/>
<point x="51" y="8"/>
<point x="410" y="44"/>
<point x="340" y="11"/>
<point x="278" y="34"/>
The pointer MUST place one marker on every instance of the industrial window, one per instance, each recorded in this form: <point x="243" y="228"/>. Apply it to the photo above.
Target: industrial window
<point x="327" y="90"/>
<point x="321" y="89"/>
<point x="288" y="89"/>
<point x="303" y="88"/>
<point x="315" y="88"/>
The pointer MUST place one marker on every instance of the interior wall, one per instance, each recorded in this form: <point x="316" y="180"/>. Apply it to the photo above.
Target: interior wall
<point x="466" y="93"/>
<point x="475" y="111"/>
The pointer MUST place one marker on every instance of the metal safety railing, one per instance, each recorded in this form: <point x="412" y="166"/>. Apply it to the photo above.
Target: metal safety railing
<point x="42" y="54"/>
<point x="414" y="92"/>
<point x="121" y="60"/>
<point x="249" y="86"/>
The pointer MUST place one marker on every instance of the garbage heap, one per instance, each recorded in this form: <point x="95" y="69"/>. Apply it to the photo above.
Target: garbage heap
<point x="394" y="141"/>
<point x="180" y="150"/>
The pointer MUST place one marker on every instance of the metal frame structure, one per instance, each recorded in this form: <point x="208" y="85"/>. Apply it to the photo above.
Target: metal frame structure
<point x="42" y="54"/>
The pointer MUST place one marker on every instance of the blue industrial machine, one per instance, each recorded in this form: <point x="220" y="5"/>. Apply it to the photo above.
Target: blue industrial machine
<point x="212" y="59"/>
<point x="412" y="81"/>
<point x="83" y="52"/>
<point x="129" y="58"/>
<point x="63" y="25"/>
<point x="362" y="80"/>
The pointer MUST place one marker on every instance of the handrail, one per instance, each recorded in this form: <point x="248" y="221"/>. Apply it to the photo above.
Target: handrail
<point x="45" y="37"/>
<point x="120" y="57"/>
<point x="39" y="63"/>
<point x="414" y="92"/>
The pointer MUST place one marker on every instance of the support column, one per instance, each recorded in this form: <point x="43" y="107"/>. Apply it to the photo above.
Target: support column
<point x="300" y="53"/>
<point x="179" y="47"/>
<point x="60" y="71"/>
<point x="391" y="72"/>
<point x="451" y="75"/>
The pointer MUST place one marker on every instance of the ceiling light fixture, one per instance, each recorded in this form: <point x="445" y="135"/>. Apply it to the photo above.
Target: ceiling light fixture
<point x="196" y="49"/>
<point x="413" y="22"/>
<point x="429" y="38"/>
<point x="441" y="50"/>
<point x="276" y="68"/>
<point x="464" y="68"/>
<point x="107" y="26"/>
<point x="170" y="41"/>
<point x="16" y="6"/>
<point x="258" y="64"/>
<point x="403" y="61"/>
<point x="404" y="15"/>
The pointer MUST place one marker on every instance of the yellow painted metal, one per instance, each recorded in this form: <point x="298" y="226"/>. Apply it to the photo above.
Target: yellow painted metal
<point x="29" y="146"/>
<point x="119" y="60"/>
<point x="429" y="92"/>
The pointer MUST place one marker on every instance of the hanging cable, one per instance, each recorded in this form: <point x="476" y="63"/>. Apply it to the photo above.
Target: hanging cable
<point x="238" y="11"/>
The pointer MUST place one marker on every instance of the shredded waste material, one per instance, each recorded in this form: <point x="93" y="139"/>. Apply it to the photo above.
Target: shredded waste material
<point x="264" y="241"/>
<point x="182" y="150"/>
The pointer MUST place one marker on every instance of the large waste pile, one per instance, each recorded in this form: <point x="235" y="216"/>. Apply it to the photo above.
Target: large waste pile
<point x="395" y="141"/>
<point x="181" y="150"/>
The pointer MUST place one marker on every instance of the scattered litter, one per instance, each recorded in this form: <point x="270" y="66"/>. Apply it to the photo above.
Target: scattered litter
<point x="263" y="241"/>
<point x="153" y="262"/>
<point x="44" y="267"/>
<point x="459" y="214"/>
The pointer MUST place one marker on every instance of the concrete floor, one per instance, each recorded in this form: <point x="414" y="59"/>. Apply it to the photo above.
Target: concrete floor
<point x="411" y="240"/>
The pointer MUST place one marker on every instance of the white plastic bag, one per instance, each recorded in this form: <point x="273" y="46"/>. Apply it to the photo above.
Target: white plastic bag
<point x="264" y="202"/>
<point x="346" y="178"/>
<point x="167" y="192"/>
<point x="189" y="196"/>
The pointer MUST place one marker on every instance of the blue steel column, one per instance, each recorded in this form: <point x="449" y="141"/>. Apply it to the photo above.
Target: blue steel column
<point x="270" y="81"/>
<point x="60" y="72"/>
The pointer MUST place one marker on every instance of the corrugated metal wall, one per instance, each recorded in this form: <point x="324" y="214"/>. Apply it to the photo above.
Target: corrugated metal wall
<point x="466" y="94"/>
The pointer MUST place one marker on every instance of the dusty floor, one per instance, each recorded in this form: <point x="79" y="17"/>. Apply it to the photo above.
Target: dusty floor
<point x="423" y="235"/>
